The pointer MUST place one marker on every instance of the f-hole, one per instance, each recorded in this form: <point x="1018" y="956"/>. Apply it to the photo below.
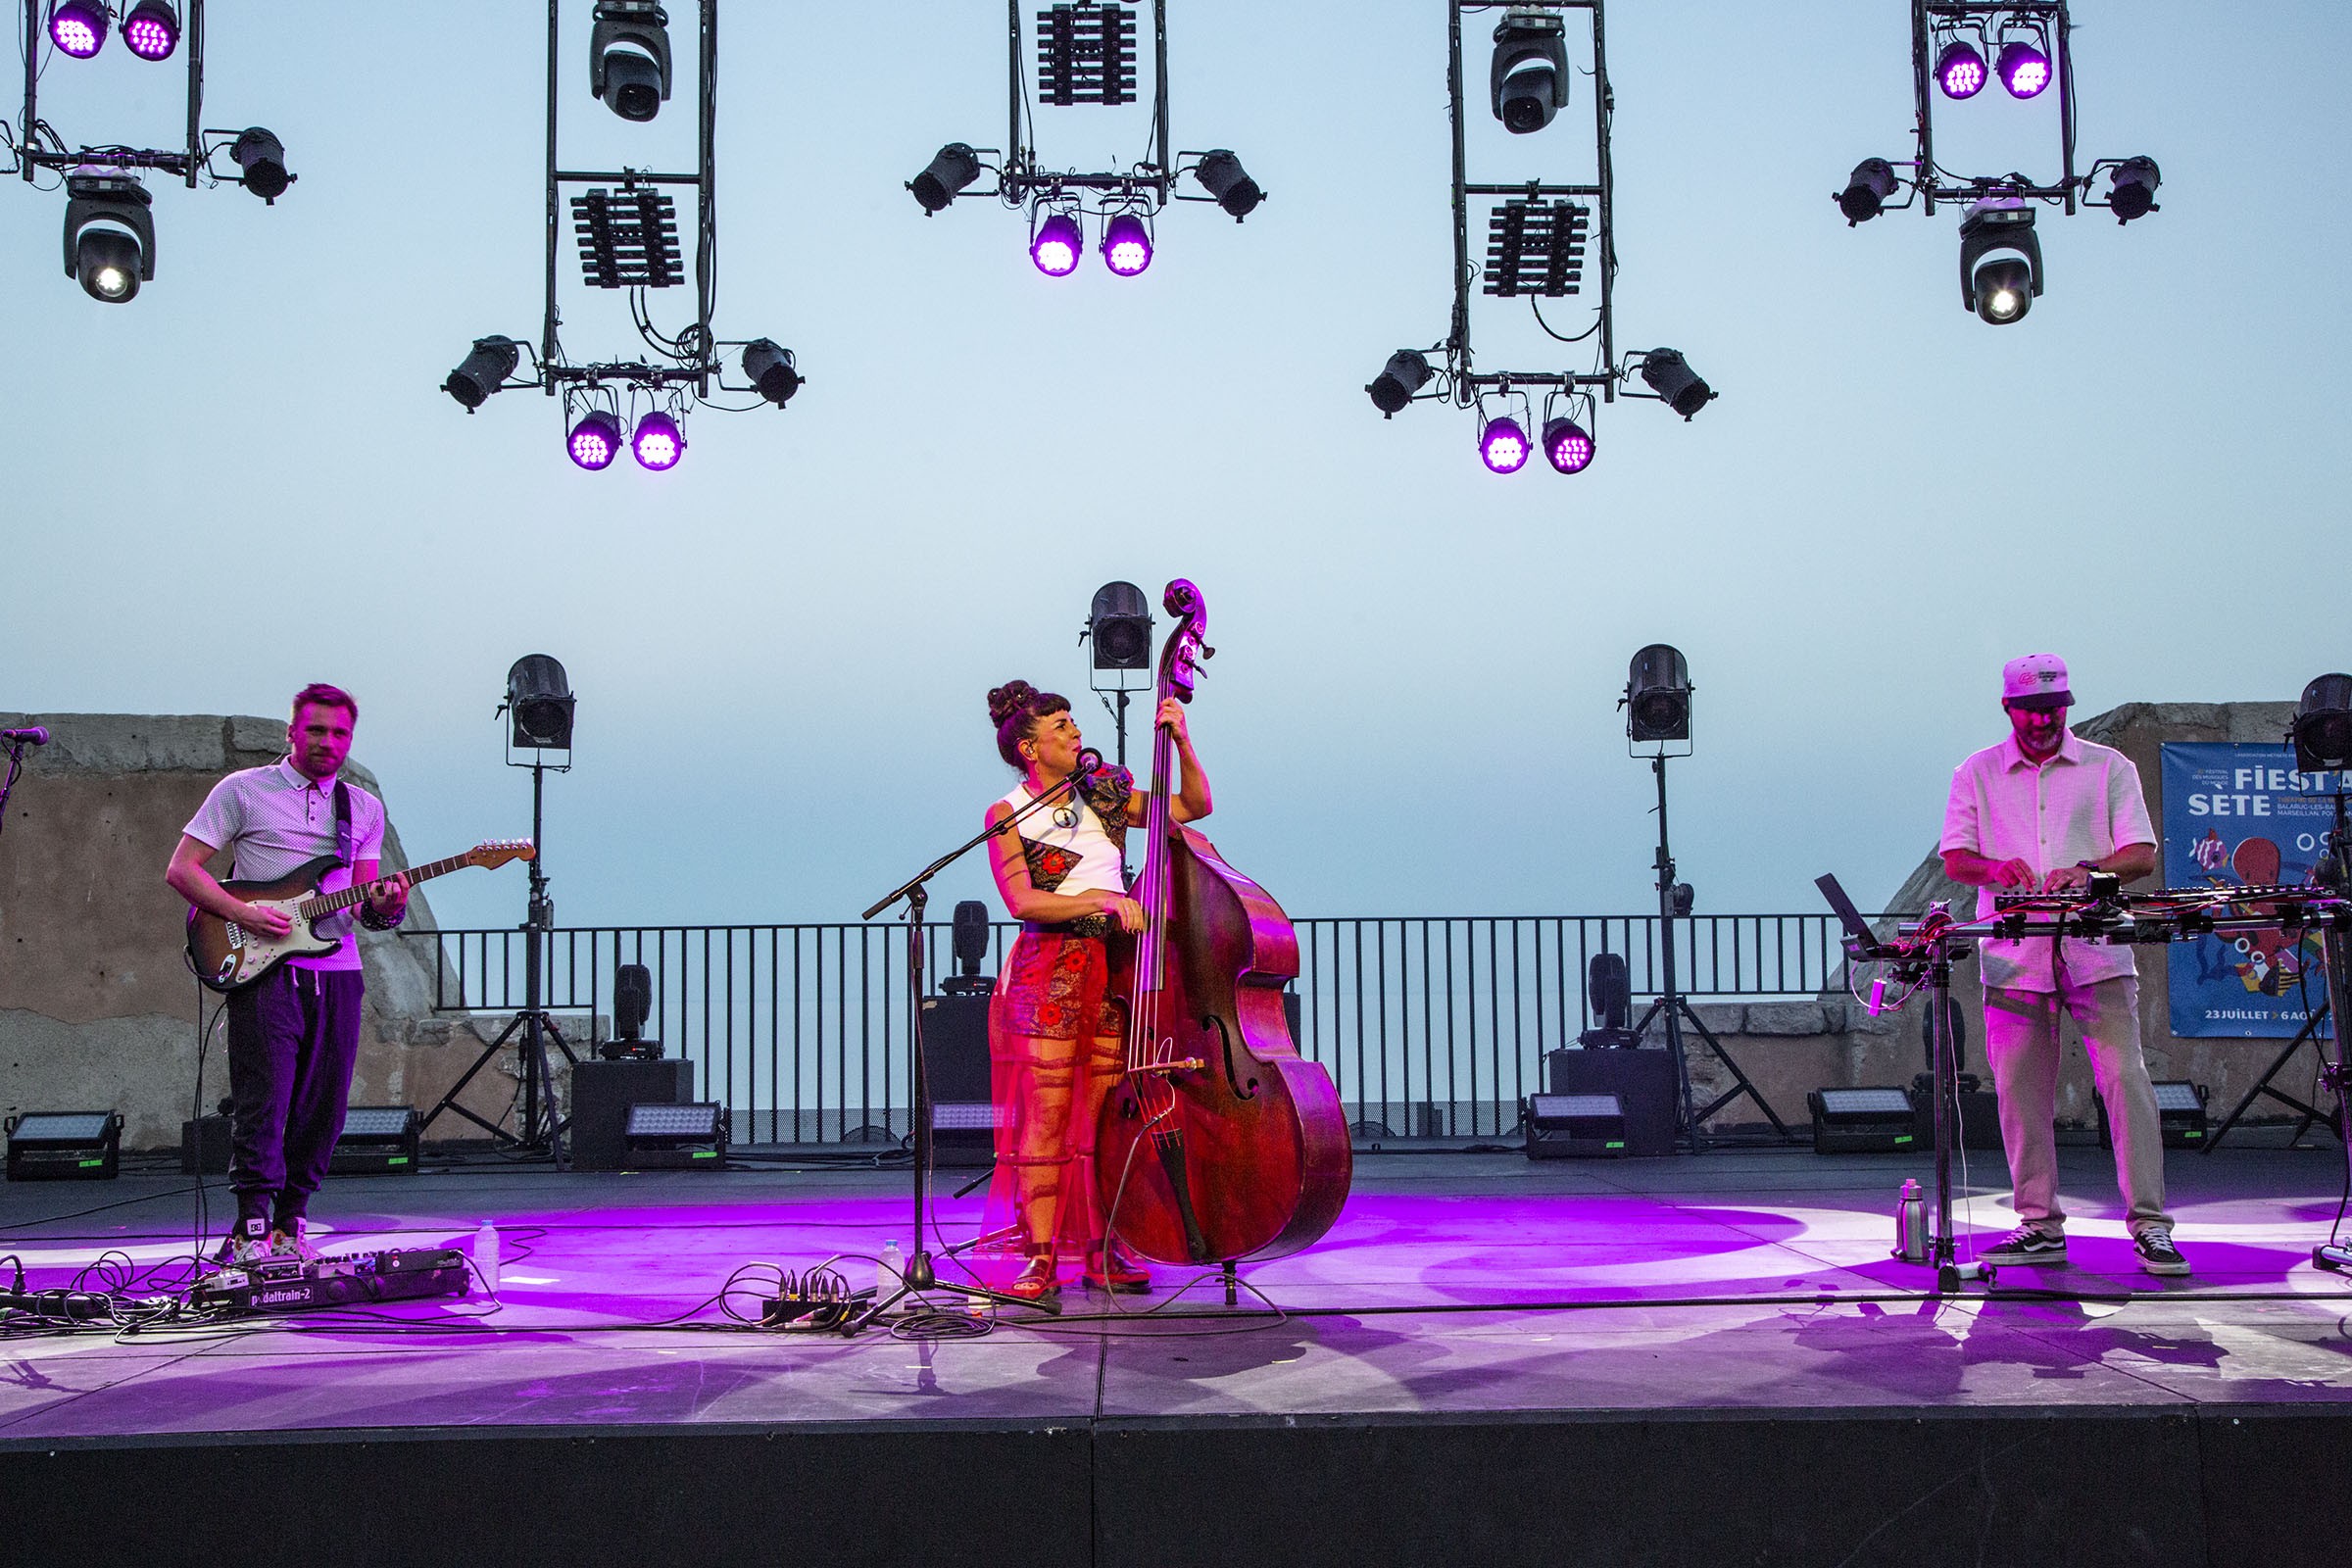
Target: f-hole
<point x="1240" y="1089"/>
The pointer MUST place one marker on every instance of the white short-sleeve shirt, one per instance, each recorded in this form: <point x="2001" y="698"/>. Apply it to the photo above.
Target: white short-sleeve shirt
<point x="2082" y="805"/>
<point x="274" y="820"/>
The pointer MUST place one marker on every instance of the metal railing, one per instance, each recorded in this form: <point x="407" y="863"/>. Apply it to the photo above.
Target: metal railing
<point x="1431" y="1026"/>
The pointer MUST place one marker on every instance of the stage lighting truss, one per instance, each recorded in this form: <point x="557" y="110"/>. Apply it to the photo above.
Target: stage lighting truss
<point x="1086" y="54"/>
<point x="626" y="227"/>
<point x="1538" y="233"/>
<point x="109" y="223"/>
<point x="1957" y="50"/>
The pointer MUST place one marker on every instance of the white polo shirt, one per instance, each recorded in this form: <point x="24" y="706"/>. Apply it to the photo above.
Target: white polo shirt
<point x="275" y="820"/>
<point x="2082" y="805"/>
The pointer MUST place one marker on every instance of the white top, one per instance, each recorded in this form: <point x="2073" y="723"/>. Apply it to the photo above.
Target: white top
<point x="1097" y="858"/>
<point x="2082" y="805"/>
<point x="274" y="820"/>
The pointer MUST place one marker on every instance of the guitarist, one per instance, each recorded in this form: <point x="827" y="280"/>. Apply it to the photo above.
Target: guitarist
<point x="294" y="1034"/>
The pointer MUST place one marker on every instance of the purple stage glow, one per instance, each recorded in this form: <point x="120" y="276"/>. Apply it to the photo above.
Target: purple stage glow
<point x="595" y="440"/>
<point x="1960" y="70"/>
<point x="1058" y="246"/>
<point x="660" y="442"/>
<point x="151" y="30"/>
<point x="2022" y="69"/>
<point x="1568" y="445"/>
<point x="77" y="27"/>
<point x="1126" y="245"/>
<point x="1503" y="444"/>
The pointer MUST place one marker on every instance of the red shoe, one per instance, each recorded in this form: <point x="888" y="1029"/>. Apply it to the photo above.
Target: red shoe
<point x="1038" y="1280"/>
<point x="1108" y="1268"/>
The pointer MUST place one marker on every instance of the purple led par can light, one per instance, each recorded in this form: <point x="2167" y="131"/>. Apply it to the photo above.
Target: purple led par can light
<point x="78" y="27"/>
<point x="1503" y="445"/>
<point x="1058" y="246"/>
<point x="660" y="442"/>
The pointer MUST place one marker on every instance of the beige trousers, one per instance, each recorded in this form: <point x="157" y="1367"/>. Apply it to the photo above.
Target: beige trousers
<point x="2021" y="1046"/>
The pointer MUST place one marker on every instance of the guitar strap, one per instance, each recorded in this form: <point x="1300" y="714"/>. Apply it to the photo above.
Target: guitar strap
<point x="344" y="838"/>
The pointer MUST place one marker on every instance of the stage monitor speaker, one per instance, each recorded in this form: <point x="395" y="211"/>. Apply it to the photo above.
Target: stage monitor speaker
<point x="602" y="1093"/>
<point x="955" y="1070"/>
<point x="1641" y="1080"/>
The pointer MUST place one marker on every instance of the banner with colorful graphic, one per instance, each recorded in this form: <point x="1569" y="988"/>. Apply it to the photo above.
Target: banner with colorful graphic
<point x="2239" y="814"/>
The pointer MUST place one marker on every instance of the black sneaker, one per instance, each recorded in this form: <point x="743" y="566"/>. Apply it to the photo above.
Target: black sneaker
<point x="2157" y="1254"/>
<point x="2028" y="1243"/>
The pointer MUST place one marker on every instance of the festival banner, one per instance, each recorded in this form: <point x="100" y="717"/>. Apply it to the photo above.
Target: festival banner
<point x="2239" y="814"/>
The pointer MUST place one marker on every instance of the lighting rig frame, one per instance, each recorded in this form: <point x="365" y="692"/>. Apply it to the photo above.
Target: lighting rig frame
<point x="35" y="145"/>
<point x="695" y="357"/>
<point x="1143" y="191"/>
<point x="1448" y="370"/>
<point x="1936" y="26"/>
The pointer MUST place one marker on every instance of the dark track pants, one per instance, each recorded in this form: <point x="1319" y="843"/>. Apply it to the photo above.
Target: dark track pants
<point x="292" y="1039"/>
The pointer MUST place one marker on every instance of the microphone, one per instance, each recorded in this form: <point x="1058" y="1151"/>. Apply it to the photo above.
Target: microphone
<point x="34" y="735"/>
<point x="1090" y="762"/>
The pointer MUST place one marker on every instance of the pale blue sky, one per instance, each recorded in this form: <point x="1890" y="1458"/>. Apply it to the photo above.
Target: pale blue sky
<point x="247" y="478"/>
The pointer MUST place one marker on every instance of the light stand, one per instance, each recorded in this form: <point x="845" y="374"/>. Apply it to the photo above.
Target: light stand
<point x="920" y="1275"/>
<point x="2335" y="873"/>
<point x="1674" y="1009"/>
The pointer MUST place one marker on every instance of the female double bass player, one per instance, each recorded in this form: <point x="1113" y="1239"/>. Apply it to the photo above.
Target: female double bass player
<point x="1056" y="1022"/>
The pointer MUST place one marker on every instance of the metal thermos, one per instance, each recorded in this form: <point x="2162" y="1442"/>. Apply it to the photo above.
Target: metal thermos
<point x="1911" y="1225"/>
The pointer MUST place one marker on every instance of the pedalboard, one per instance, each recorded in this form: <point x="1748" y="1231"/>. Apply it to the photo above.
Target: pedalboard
<point x="293" y="1284"/>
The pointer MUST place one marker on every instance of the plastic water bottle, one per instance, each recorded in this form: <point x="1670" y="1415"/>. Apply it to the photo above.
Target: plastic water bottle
<point x="891" y="1271"/>
<point x="485" y="1256"/>
<point x="1911" y="1225"/>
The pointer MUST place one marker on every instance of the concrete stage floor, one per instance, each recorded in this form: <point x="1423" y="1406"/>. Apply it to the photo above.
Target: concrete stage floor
<point x="1452" y="1283"/>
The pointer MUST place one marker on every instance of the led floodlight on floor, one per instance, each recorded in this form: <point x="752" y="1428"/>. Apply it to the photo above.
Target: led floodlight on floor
<point x="152" y="29"/>
<point x="65" y="1146"/>
<point x="769" y="366"/>
<point x="1669" y="376"/>
<point x="77" y="27"/>
<point x="1866" y="191"/>
<point x="951" y="172"/>
<point x="376" y="1139"/>
<point x="597" y="439"/>
<point x="629" y="57"/>
<point x="2322" y="735"/>
<point x="2179" y="1115"/>
<point x="1862" y="1121"/>
<point x="1528" y="79"/>
<point x="2131" y="188"/>
<point x="1406" y="373"/>
<point x="1575" y="1127"/>
<point x="484" y="371"/>
<point x="667" y="1136"/>
<point x="1221" y="174"/>
<point x="110" y="233"/>
<point x="2000" y="260"/>
<point x="262" y="157"/>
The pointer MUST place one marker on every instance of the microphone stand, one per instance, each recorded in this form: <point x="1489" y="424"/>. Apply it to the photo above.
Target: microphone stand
<point x="919" y="1275"/>
<point x="15" y="765"/>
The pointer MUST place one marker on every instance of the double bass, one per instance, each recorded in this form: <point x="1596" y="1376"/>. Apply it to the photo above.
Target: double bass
<point x="1219" y="1142"/>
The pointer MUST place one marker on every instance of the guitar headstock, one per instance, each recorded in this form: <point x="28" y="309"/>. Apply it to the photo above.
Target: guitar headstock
<point x="492" y="853"/>
<point x="1179" y="659"/>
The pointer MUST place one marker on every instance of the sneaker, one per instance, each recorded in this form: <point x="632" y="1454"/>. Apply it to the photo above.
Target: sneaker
<point x="294" y="1242"/>
<point x="2028" y="1243"/>
<point x="249" y="1243"/>
<point x="2157" y="1254"/>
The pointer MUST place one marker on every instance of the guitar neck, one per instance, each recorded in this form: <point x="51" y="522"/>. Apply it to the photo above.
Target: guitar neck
<point x="329" y="902"/>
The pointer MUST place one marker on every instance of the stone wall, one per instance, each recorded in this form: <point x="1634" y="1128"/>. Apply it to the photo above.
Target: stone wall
<point x="1790" y="1047"/>
<point x="97" y="1006"/>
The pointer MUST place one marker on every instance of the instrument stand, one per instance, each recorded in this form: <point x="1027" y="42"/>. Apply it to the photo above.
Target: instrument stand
<point x="2306" y="1035"/>
<point x="920" y="1274"/>
<point x="1676" y="1011"/>
<point x="539" y="1136"/>
<point x="2334" y="872"/>
<point x="1943" y="1239"/>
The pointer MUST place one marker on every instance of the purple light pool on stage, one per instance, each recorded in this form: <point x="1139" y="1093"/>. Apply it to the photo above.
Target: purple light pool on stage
<point x="595" y="440"/>
<point x="1960" y="71"/>
<point x="660" y="442"/>
<point x="1058" y="245"/>
<point x="78" y="27"/>
<point x="2022" y="69"/>
<point x="1568" y="445"/>
<point x="1503" y="444"/>
<point x="1126" y="245"/>
<point x="151" y="31"/>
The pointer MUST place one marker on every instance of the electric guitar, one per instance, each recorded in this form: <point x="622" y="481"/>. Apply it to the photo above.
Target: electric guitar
<point x="227" y="957"/>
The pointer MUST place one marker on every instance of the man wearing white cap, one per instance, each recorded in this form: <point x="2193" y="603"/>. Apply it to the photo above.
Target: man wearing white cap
<point x="2036" y="813"/>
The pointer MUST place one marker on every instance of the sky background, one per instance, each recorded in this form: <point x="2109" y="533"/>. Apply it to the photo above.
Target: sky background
<point x="247" y="478"/>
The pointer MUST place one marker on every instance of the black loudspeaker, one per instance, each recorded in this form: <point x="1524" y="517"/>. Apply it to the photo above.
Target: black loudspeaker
<point x="602" y="1093"/>
<point x="1642" y="1082"/>
<point x="955" y="1070"/>
<point x="204" y="1146"/>
<point x="1978" y="1109"/>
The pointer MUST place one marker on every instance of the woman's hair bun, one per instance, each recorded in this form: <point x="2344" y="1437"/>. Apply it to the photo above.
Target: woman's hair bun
<point x="1007" y="700"/>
